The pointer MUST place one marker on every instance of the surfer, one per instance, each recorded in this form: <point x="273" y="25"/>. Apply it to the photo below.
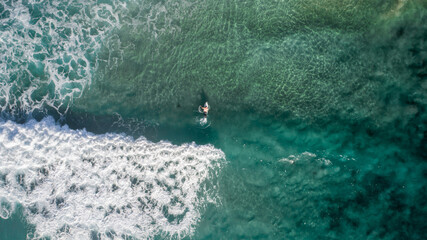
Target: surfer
<point x="203" y="121"/>
<point x="205" y="109"/>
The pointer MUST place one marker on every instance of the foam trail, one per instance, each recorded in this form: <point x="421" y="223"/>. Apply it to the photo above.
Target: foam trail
<point x="72" y="183"/>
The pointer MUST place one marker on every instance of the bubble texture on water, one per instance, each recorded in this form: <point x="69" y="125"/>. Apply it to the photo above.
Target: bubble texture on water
<point x="71" y="183"/>
<point x="48" y="51"/>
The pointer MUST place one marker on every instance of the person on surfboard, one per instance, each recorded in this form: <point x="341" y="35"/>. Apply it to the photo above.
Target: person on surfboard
<point x="205" y="109"/>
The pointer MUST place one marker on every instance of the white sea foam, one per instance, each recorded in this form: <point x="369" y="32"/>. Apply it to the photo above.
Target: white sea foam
<point x="72" y="183"/>
<point x="48" y="50"/>
<point x="306" y="157"/>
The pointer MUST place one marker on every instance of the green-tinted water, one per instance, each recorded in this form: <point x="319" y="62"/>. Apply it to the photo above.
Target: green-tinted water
<point x="319" y="107"/>
<point x="296" y="181"/>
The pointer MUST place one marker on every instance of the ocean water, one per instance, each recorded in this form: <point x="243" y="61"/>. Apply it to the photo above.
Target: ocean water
<point x="317" y="127"/>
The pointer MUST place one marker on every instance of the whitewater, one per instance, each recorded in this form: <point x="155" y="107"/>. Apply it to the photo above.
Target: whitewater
<point x="72" y="182"/>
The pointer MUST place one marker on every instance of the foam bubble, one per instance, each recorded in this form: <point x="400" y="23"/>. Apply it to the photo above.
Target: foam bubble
<point x="73" y="183"/>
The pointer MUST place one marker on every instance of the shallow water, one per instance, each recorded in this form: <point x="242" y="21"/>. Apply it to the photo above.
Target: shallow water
<point x="317" y="122"/>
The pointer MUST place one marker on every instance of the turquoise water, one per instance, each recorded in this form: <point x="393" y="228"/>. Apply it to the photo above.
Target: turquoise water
<point x="317" y="122"/>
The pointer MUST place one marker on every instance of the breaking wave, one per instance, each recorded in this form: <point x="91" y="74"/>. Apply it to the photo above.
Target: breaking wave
<point x="73" y="183"/>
